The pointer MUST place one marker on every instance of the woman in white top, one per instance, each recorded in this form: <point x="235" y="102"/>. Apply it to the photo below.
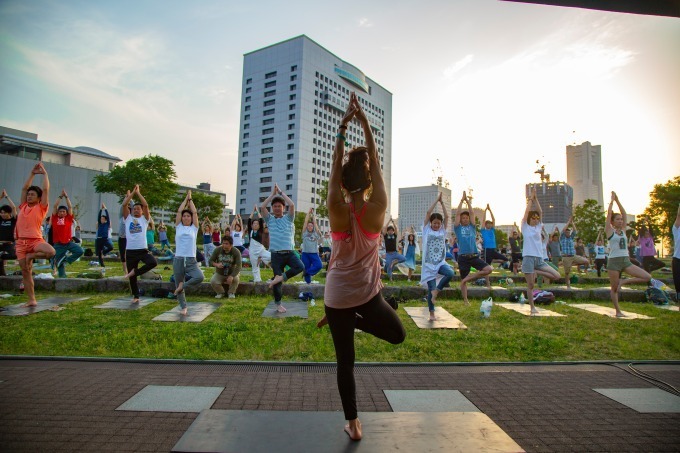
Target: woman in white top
<point x="237" y="233"/>
<point x="259" y="242"/>
<point x="533" y="251"/>
<point x="434" y="254"/>
<point x="618" y="262"/>
<point x="185" y="265"/>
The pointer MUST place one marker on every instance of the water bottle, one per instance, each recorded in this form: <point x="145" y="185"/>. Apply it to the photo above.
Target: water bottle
<point x="21" y="287"/>
<point x="522" y="299"/>
<point x="312" y="302"/>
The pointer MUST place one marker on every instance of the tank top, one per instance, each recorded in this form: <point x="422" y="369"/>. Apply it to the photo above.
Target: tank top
<point x="353" y="276"/>
<point x="618" y="245"/>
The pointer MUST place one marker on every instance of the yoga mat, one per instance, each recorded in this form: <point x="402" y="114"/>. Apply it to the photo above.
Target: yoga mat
<point x="44" y="304"/>
<point x="525" y="309"/>
<point x="296" y="308"/>
<point x="196" y="312"/>
<point x="608" y="311"/>
<point x="125" y="303"/>
<point x="445" y="320"/>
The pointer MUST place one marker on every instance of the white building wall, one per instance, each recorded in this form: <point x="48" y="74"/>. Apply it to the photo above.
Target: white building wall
<point x="584" y="172"/>
<point x="415" y="201"/>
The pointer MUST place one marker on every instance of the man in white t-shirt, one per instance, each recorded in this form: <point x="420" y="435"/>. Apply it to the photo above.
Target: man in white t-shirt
<point x="136" y="249"/>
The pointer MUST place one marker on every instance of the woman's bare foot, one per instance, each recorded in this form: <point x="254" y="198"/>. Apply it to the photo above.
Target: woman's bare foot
<point x="432" y="316"/>
<point x="534" y="311"/>
<point x="135" y="300"/>
<point x="435" y="293"/>
<point x="276" y="280"/>
<point x="30" y="303"/>
<point x="620" y="314"/>
<point x="183" y="312"/>
<point x="353" y="429"/>
<point x="179" y="289"/>
<point x="281" y="309"/>
<point x="322" y="322"/>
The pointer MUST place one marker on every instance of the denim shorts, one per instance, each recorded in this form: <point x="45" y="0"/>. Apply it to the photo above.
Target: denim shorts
<point x="530" y="264"/>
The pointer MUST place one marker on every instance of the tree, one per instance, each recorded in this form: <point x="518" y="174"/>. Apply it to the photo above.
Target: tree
<point x="299" y="225"/>
<point x="207" y="205"/>
<point x="589" y="218"/>
<point x="322" y="205"/>
<point x="501" y="238"/>
<point x="663" y="207"/>
<point x="154" y="174"/>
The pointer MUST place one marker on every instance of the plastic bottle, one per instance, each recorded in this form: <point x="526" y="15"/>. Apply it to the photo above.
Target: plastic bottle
<point x="522" y="299"/>
<point x="21" y="287"/>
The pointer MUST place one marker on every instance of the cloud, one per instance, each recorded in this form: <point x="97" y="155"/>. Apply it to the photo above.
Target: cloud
<point x="450" y="71"/>
<point x="364" y="22"/>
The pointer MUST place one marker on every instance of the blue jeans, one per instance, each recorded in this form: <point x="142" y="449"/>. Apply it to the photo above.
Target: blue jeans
<point x="447" y="273"/>
<point x="390" y="257"/>
<point x="312" y="264"/>
<point x="279" y="262"/>
<point x="61" y="250"/>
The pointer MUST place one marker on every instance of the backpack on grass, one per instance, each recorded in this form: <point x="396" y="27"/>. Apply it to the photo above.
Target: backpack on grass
<point x="657" y="296"/>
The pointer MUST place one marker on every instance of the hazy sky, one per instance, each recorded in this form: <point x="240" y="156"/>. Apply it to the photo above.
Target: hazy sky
<point x="486" y="87"/>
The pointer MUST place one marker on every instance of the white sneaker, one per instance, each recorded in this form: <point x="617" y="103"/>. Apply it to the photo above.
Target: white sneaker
<point x="219" y="296"/>
<point x="232" y="296"/>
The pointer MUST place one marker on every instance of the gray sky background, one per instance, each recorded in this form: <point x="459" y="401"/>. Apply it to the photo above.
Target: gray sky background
<point x="486" y="87"/>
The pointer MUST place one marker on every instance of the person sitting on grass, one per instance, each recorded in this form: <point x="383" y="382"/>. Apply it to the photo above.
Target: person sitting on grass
<point x="8" y="221"/>
<point x="434" y="254"/>
<point x="468" y="255"/>
<point x="281" y="242"/>
<point x="137" y="249"/>
<point x="30" y="244"/>
<point x="618" y="261"/>
<point x="185" y="264"/>
<point x="357" y="201"/>
<point x="66" y="250"/>
<point x="227" y="262"/>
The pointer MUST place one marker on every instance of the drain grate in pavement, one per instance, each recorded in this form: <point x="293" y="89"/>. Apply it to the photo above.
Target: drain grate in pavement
<point x="163" y="398"/>
<point x="429" y="401"/>
<point x="644" y="400"/>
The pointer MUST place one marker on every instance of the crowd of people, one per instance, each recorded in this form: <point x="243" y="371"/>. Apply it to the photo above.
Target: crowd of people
<point x="357" y="203"/>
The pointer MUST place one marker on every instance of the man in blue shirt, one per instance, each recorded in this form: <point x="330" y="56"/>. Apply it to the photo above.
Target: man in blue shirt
<point x="281" y="242"/>
<point x="569" y="256"/>
<point x="489" y="238"/>
<point x="468" y="257"/>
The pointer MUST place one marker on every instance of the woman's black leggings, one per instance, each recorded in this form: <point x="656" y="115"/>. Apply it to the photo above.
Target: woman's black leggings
<point x="375" y="317"/>
<point x="651" y="264"/>
<point x="133" y="258"/>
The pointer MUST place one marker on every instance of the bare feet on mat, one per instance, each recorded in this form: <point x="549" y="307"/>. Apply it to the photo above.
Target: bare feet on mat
<point x="135" y="300"/>
<point x="322" y="322"/>
<point x="281" y="309"/>
<point x="180" y="288"/>
<point x="432" y="316"/>
<point x="353" y="429"/>
<point x="183" y="312"/>
<point x="276" y="280"/>
<point x="620" y="315"/>
<point x="534" y="311"/>
<point x="29" y="304"/>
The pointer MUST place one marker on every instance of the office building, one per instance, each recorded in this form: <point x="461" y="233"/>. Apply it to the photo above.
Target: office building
<point x="584" y="172"/>
<point x="168" y="217"/>
<point x="556" y="199"/>
<point x="415" y="201"/>
<point x="294" y="94"/>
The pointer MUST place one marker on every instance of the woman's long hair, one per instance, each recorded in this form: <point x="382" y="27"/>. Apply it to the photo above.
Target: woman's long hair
<point x="356" y="171"/>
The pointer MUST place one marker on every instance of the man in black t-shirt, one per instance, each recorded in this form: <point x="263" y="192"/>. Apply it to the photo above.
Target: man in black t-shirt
<point x="392" y="257"/>
<point x="8" y="221"/>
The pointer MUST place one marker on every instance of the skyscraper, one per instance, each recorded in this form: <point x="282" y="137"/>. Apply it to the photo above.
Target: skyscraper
<point x="556" y="200"/>
<point x="415" y="201"/>
<point x="584" y="172"/>
<point x="294" y="94"/>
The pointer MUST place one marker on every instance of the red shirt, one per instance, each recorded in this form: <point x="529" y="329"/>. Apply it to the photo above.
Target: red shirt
<point x="61" y="229"/>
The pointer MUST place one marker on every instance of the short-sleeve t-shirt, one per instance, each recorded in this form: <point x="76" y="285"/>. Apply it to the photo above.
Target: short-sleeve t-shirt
<point x="467" y="239"/>
<point x="390" y="242"/>
<point x="281" y="232"/>
<point x="533" y="243"/>
<point x="237" y="236"/>
<point x="7" y="229"/>
<point x="310" y="242"/>
<point x="434" y="252"/>
<point x="135" y="231"/>
<point x="185" y="241"/>
<point x="62" y="229"/>
<point x="29" y="221"/>
<point x="489" y="237"/>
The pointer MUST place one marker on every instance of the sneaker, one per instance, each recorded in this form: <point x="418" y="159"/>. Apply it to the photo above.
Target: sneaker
<point x="219" y="296"/>
<point x="232" y="296"/>
<point x="658" y="284"/>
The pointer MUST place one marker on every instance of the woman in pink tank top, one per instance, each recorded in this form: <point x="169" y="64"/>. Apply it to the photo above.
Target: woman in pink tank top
<point x="357" y="201"/>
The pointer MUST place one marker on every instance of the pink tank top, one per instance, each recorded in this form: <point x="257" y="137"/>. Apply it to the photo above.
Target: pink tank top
<point x="353" y="276"/>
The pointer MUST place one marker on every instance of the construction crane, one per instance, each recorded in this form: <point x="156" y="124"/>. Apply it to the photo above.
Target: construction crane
<point x="438" y="175"/>
<point x="541" y="171"/>
<point x="469" y="187"/>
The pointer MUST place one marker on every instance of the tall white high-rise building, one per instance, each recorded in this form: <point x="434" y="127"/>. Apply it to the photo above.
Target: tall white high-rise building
<point x="294" y="95"/>
<point x="584" y="172"/>
<point x="415" y="201"/>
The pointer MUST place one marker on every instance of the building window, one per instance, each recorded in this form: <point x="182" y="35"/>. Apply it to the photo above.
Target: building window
<point x="291" y="136"/>
<point x="246" y="134"/>
<point x="267" y="140"/>
<point x="289" y="187"/>
<point x="270" y="93"/>
<point x="291" y="116"/>
<point x="291" y="107"/>
<point x="245" y="144"/>
<point x="268" y="121"/>
<point x="290" y="157"/>
<point x="265" y="189"/>
<point x="269" y="130"/>
<point x="247" y="108"/>
<point x="243" y="191"/>
<point x="289" y="177"/>
<point x="291" y="97"/>
<point x="243" y="201"/>
<point x="244" y="182"/>
<point x="270" y="84"/>
<point x="266" y="179"/>
<point x="247" y="117"/>
<point x="291" y="146"/>
<point x="293" y="78"/>
<point x="293" y="87"/>
<point x="247" y="99"/>
<point x="267" y="150"/>
<point x="291" y="127"/>
<point x="268" y="112"/>
<point x="289" y="167"/>
<point x="244" y="154"/>
<point x="244" y="172"/>
<point x="266" y="170"/>
<point x="269" y="102"/>
<point x="266" y="160"/>
<point x="270" y="75"/>
<point x="246" y="126"/>
<point x="249" y="81"/>
<point x="249" y="89"/>
<point x="293" y="68"/>
<point x="244" y="163"/>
